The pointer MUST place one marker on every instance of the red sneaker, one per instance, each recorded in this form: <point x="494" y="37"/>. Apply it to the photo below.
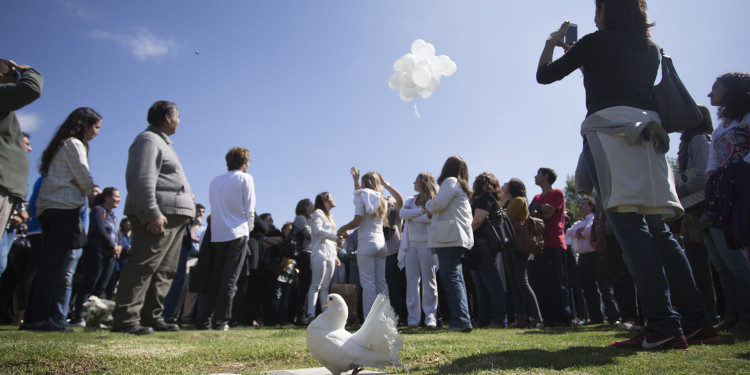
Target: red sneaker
<point x="701" y="335"/>
<point x="649" y="340"/>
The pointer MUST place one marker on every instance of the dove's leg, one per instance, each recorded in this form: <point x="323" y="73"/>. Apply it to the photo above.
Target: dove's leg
<point x="357" y="370"/>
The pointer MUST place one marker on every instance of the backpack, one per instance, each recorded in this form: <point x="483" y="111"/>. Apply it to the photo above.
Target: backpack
<point x="499" y="231"/>
<point x="530" y="239"/>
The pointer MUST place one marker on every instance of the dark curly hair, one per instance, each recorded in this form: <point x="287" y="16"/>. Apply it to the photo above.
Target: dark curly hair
<point x="74" y="127"/>
<point x="626" y="16"/>
<point x="737" y="96"/>
<point x="487" y="183"/>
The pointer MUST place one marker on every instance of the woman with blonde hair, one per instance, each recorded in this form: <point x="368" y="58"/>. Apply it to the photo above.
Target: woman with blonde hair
<point x="323" y="259"/>
<point x="416" y="257"/>
<point x="370" y="214"/>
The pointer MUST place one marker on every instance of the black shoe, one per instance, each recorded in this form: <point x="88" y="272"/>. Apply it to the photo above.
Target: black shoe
<point x="134" y="330"/>
<point x="165" y="327"/>
<point x="46" y="326"/>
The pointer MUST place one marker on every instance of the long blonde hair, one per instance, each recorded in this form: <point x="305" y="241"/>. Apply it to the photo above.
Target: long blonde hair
<point x="429" y="187"/>
<point x="370" y="180"/>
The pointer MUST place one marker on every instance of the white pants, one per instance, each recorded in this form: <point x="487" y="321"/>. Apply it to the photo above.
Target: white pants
<point x="371" y="262"/>
<point x="420" y="265"/>
<point x="322" y="273"/>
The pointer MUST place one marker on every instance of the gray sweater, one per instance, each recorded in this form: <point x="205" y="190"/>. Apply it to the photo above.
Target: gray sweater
<point x="155" y="180"/>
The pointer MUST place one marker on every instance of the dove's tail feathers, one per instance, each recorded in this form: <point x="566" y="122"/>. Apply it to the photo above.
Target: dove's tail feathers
<point x="378" y="333"/>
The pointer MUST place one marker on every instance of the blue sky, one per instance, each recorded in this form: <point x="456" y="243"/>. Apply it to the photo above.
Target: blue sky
<point x="303" y="84"/>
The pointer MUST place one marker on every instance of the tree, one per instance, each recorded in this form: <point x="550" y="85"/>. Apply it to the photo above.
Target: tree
<point x="572" y="197"/>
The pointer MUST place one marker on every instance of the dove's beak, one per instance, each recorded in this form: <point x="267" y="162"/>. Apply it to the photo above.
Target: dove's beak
<point x="325" y="304"/>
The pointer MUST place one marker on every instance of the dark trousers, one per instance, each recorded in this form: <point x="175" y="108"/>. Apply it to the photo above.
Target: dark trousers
<point x="396" y="280"/>
<point x="625" y="288"/>
<point x="587" y="277"/>
<point x="173" y="302"/>
<point x="305" y="279"/>
<point x="59" y="227"/>
<point x="97" y="270"/>
<point x="228" y="259"/>
<point x="698" y="258"/>
<point x="549" y="280"/>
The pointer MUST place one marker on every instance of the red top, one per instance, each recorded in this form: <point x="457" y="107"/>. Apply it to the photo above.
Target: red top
<point x="554" y="237"/>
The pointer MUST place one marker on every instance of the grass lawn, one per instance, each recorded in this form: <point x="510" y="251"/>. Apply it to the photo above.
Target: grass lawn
<point x="580" y="350"/>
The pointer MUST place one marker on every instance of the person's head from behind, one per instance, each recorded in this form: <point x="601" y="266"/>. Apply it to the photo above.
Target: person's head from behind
<point x="456" y="167"/>
<point x="515" y="187"/>
<point x="82" y="124"/>
<point x="238" y="158"/>
<point x="545" y="176"/>
<point x="164" y="115"/>
<point x="109" y="198"/>
<point x="325" y="202"/>
<point x="623" y="16"/>
<point x="731" y="93"/>
<point x="370" y="180"/>
<point x="487" y="183"/>
<point x="287" y="228"/>
<point x="426" y="186"/>
<point x="8" y="74"/>
<point x="305" y="207"/>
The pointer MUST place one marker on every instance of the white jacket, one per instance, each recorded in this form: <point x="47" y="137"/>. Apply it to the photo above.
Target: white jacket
<point x="323" y="236"/>
<point x="451" y="217"/>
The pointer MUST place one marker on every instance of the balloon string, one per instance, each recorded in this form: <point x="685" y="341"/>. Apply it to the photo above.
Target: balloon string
<point x="416" y="112"/>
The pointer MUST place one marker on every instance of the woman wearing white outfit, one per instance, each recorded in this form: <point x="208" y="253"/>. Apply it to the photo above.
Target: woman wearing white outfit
<point x="323" y="258"/>
<point x="418" y="259"/>
<point x="370" y="210"/>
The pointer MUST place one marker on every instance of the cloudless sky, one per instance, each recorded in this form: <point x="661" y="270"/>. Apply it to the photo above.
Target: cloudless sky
<point x="303" y="84"/>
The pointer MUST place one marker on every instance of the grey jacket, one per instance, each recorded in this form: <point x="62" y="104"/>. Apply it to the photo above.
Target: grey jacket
<point x="155" y="180"/>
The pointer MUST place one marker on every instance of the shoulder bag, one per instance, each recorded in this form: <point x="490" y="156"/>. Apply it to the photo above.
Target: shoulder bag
<point x="499" y="231"/>
<point x="531" y="236"/>
<point x="676" y="107"/>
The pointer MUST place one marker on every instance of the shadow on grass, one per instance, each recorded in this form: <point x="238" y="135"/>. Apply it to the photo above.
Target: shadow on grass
<point x="560" y="360"/>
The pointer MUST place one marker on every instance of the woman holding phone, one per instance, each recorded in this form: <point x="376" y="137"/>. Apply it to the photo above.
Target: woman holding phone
<point x="623" y="147"/>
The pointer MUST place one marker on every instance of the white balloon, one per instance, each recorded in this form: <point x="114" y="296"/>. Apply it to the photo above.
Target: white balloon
<point x="423" y="51"/>
<point x="417" y="45"/>
<point x="404" y="97"/>
<point x="434" y="84"/>
<point x="440" y="64"/>
<point x="396" y="80"/>
<point x="409" y="82"/>
<point x="405" y="63"/>
<point x="421" y="76"/>
<point x="409" y="91"/>
<point x="451" y="69"/>
<point x="425" y="93"/>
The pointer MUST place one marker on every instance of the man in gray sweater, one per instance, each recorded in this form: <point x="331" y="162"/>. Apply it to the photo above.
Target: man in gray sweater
<point x="159" y="206"/>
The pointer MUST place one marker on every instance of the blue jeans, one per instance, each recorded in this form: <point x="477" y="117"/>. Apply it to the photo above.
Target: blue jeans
<point x="734" y="274"/>
<point x="172" y="302"/>
<point x="452" y="277"/>
<point x="660" y="270"/>
<point x="5" y="244"/>
<point x="488" y="286"/>
<point x="98" y="265"/>
<point x="64" y="287"/>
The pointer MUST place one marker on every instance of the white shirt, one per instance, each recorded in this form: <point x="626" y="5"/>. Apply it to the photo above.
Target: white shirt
<point x="58" y="190"/>
<point x="582" y="245"/>
<point x="366" y="204"/>
<point x="232" y="197"/>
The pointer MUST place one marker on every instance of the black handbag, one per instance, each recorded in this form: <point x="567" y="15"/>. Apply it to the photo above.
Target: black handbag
<point x="80" y="240"/>
<point x="499" y="231"/>
<point x="677" y="109"/>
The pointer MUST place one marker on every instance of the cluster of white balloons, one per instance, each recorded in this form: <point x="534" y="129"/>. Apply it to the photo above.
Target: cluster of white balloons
<point x="419" y="72"/>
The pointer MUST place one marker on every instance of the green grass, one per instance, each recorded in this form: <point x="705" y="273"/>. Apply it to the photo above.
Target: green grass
<point x="581" y="350"/>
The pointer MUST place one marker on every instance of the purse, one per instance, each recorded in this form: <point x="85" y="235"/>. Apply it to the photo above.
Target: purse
<point x="675" y="106"/>
<point x="80" y="240"/>
<point x="499" y="231"/>
<point x="530" y="238"/>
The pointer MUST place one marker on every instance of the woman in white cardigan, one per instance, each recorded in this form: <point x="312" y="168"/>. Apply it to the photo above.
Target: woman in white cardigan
<point x="451" y="235"/>
<point x="416" y="257"/>
<point x="370" y="210"/>
<point x="323" y="259"/>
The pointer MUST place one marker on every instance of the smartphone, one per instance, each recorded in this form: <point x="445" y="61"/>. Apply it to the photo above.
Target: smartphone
<point x="571" y="36"/>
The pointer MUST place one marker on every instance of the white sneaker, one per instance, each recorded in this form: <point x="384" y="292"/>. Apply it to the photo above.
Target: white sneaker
<point x="78" y="324"/>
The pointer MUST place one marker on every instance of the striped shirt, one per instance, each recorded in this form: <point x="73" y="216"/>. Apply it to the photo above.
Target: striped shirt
<point x="58" y="189"/>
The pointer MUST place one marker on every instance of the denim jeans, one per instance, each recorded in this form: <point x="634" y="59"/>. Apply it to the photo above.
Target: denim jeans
<point x="5" y="244"/>
<point x="173" y="302"/>
<point x="488" y="286"/>
<point x="734" y="274"/>
<point x="658" y="265"/>
<point x="452" y="278"/>
<point x="64" y="287"/>
<point x="58" y="231"/>
<point x="98" y="265"/>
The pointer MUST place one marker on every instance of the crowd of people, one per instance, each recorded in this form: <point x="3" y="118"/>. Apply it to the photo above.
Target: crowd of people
<point x="639" y="256"/>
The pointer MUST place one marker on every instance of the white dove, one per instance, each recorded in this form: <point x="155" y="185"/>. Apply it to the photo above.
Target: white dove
<point x="376" y="344"/>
